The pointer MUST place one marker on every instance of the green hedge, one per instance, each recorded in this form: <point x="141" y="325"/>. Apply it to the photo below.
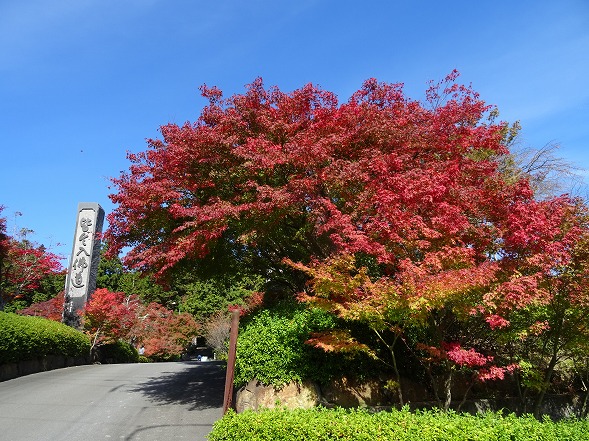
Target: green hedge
<point x="271" y="348"/>
<point x="271" y="345"/>
<point x="118" y="352"/>
<point x="399" y="425"/>
<point x="25" y="338"/>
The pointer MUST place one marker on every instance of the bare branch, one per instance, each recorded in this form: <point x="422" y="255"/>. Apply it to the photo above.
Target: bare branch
<point x="548" y="173"/>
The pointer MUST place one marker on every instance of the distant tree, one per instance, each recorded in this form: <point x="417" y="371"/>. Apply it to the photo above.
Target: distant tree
<point x="115" y="277"/>
<point x="216" y="331"/>
<point x="51" y="309"/>
<point x="25" y="268"/>
<point x="111" y="316"/>
<point x="110" y="271"/>
<point x="204" y="297"/>
<point x="164" y="333"/>
<point x="4" y="244"/>
<point x="548" y="173"/>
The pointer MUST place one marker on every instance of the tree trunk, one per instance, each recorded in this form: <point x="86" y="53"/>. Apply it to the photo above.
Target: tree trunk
<point x="443" y="391"/>
<point x="583" y="409"/>
<point x="465" y="396"/>
<point x="394" y="364"/>
<point x="546" y="385"/>
<point x="448" y="391"/>
<point x="523" y="396"/>
<point x="550" y="370"/>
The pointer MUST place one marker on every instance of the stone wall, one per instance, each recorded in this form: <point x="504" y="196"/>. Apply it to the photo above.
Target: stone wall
<point x="254" y="396"/>
<point x="39" y="364"/>
<point x="370" y="394"/>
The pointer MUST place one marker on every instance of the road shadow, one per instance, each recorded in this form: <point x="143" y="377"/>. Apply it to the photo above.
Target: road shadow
<point x="200" y="386"/>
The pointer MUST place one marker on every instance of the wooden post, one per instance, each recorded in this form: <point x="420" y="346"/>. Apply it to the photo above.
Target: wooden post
<point x="228" y="400"/>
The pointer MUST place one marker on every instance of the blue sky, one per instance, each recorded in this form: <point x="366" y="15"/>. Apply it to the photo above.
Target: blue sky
<point x="84" y="81"/>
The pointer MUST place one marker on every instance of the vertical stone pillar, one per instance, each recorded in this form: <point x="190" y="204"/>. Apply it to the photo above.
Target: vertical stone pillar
<point x="83" y="268"/>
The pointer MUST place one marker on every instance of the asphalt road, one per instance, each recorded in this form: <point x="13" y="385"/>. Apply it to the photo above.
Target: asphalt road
<point x="147" y="402"/>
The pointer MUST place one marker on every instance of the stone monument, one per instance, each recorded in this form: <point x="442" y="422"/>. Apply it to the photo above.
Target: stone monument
<point x="81" y="276"/>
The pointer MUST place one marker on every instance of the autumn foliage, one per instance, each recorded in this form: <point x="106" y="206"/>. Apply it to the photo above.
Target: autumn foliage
<point x="163" y="332"/>
<point x="397" y="213"/>
<point x="111" y="316"/>
<point x="51" y="309"/>
<point x="24" y="265"/>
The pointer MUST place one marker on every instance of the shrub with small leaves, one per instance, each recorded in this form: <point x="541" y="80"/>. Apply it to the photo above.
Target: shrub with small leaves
<point x="25" y="338"/>
<point x="118" y="352"/>
<point x="272" y="347"/>
<point x="399" y="425"/>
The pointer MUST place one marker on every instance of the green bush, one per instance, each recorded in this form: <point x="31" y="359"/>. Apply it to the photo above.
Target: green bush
<point x="403" y="425"/>
<point x="271" y="347"/>
<point x="25" y="338"/>
<point x="118" y="352"/>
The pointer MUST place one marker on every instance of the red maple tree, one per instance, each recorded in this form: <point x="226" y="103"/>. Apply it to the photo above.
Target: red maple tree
<point x="162" y="332"/>
<point x="111" y="316"/>
<point x="51" y="309"/>
<point x="399" y="212"/>
<point x="23" y="265"/>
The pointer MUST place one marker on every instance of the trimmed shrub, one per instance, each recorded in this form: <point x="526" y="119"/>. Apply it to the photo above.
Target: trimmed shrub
<point x="271" y="348"/>
<point x="118" y="352"/>
<point x="26" y="338"/>
<point x="403" y="425"/>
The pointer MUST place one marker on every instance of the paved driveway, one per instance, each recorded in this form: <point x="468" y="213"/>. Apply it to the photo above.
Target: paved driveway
<point x="155" y="401"/>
